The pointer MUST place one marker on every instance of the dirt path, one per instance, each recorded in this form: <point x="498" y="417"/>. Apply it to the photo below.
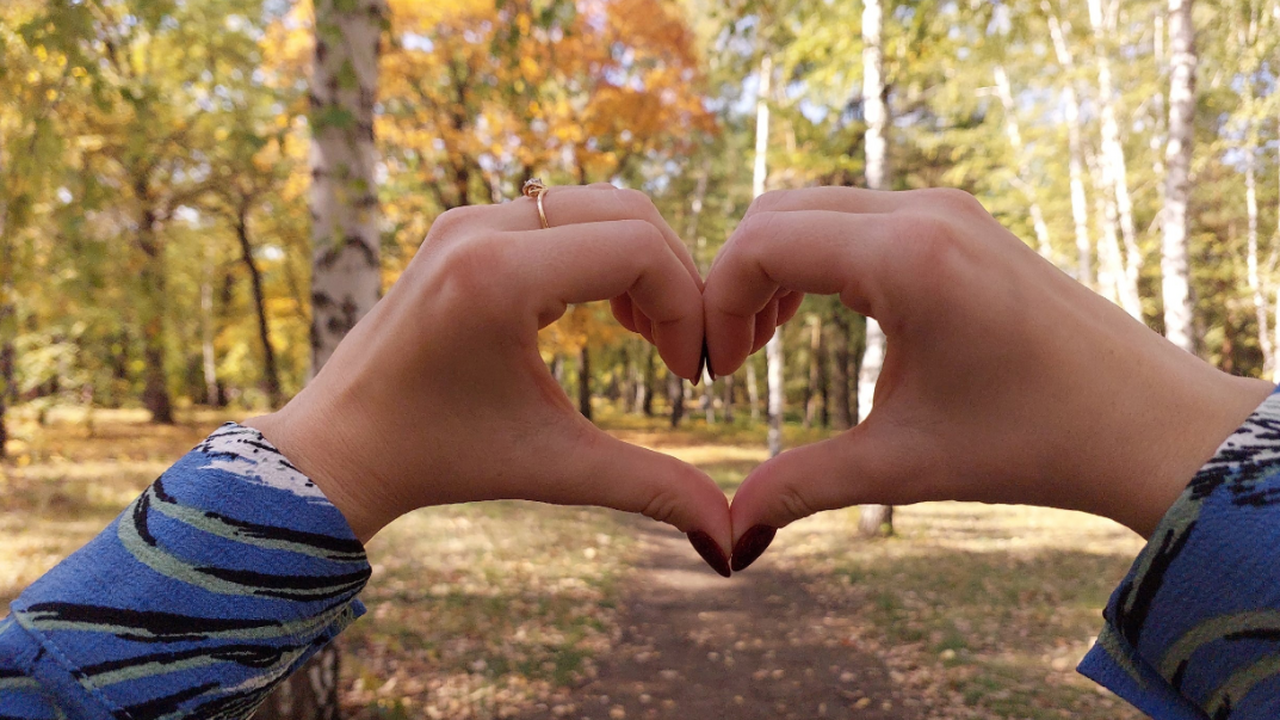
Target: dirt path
<point x="756" y="646"/>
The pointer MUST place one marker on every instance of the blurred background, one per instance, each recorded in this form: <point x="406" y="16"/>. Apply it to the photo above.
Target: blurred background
<point x="198" y="198"/>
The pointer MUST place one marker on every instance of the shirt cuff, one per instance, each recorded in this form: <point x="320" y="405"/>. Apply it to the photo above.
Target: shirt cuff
<point x="224" y="576"/>
<point x="1193" y="631"/>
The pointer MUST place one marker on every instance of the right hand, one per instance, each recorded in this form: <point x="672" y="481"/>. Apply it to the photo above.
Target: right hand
<point x="1004" y="380"/>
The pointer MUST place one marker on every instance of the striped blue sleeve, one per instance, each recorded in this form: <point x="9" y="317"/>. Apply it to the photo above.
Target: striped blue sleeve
<point x="226" y="574"/>
<point x="1193" y="631"/>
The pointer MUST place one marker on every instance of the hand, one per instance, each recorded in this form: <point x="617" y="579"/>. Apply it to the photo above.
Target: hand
<point x="439" y="395"/>
<point x="1004" y="380"/>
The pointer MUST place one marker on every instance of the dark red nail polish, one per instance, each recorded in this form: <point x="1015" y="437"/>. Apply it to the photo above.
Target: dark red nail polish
<point x="752" y="545"/>
<point x="706" y="362"/>
<point x="710" y="551"/>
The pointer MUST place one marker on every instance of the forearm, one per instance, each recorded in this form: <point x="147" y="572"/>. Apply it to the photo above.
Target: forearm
<point x="220" y="579"/>
<point x="1194" y="630"/>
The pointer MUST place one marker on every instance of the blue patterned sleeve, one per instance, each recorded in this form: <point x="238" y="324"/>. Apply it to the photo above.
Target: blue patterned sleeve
<point x="227" y="573"/>
<point x="1193" y="631"/>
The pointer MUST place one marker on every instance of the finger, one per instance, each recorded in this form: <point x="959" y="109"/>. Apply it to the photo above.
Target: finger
<point x="834" y="199"/>
<point x="579" y="204"/>
<point x="598" y="261"/>
<point x="602" y="470"/>
<point x="644" y="325"/>
<point x="819" y="252"/>
<point x="623" y="312"/>
<point x="863" y="465"/>
<point x="788" y="306"/>
<point x="766" y="325"/>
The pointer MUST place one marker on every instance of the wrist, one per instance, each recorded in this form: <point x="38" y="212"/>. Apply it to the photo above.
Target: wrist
<point x="328" y="460"/>
<point x="1187" y="437"/>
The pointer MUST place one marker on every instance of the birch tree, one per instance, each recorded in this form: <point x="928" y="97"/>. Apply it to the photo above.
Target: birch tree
<point x="1174" y="266"/>
<point x="1075" y="147"/>
<point x="346" y="277"/>
<point x="1112" y="164"/>
<point x="774" y="356"/>
<point x="874" y="518"/>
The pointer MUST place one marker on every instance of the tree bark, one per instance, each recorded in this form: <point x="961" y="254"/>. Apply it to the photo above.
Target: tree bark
<point x="1075" y="149"/>
<point x="753" y="390"/>
<point x="730" y="381"/>
<point x="875" y="518"/>
<point x="155" y="393"/>
<point x="1174" y="263"/>
<point x="839" y="378"/>
<point x="644" y="388"/>
<point x="346" y="278"/>
<point x="346" y="274"/>
<point x="208" y="355"/>
<point x="816" y="395"/>
<point x="675" y="398"/>
<point x="584" y="381"/>
<point x="1114" y="171"/>
<point x="8" y="318"/>
<point x="271" y="373"/>
<point x="1023" y="181"/>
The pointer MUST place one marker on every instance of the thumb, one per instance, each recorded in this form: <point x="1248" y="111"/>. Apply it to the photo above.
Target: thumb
<point x="605" y="471"/>
<point x="863" y="465"/>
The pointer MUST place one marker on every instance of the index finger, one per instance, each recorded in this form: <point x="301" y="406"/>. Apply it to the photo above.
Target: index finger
<point x="822" y="251"/>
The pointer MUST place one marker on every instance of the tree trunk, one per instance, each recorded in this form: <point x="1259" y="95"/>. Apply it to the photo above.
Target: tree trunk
<point x="1114" y="171"/>
<point x="1174" y="264"/>
<point x="753" y="390"/>
<point x="155" y="394"/>
<point x="815" y="402"/>
<point x="644" y="388"/>
<point x="346" y="275"/>
<point x="8" y="319"/>
<point x="271" y="374"/>
<point x="1075" y="149"/>
<point x="1023" y="180"/>
<point x="730" y="381"/>
<point x="346" y="278"/>
<point x="878" y="518"/>
<point x="839" y="378"/>
<point x="675" y="398"/>
<point x="208" y="355"/>
<point x="584" y="381"/>
<point x="1261" y="307"/>
<point x="774" y="355"/>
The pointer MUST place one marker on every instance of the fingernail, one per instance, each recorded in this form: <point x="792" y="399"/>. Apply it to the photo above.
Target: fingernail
<point x="752" y="545"/>
<point x="706" y="362"/>
<point x="702" y="362"/>
<point x="710" y="551"/>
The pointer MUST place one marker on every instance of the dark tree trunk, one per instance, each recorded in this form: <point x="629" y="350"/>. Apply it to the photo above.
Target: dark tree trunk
<point x="838" y="383"/>
<point x="815" y="400"/>
<point x="584" y="381"/>
<point x="730" y="388"/>
<point x="270" y="372"/>
<point x="311" y="693"/>
<point x="155" y="394"/>
<point x="675" y="396"/>
<point x="645" y="388"/>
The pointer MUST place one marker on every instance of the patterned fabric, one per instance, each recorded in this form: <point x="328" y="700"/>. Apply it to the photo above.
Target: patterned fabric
<point x="1193" y="632"/>
<point x="227" y="573"/>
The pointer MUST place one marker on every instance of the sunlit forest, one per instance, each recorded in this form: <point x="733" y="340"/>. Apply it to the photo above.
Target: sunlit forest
<point x="161" y="232"/>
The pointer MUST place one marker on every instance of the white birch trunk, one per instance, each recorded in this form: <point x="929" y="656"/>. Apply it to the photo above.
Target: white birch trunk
<point x="346" y="281"/>
<point x="346" y="276"/>
<point x="1075" y="148"/>
<point x="874" y="518"/>
<point x="1114" y="170"/>
<point x="1174" y="264"/>
<point x="773" y="351"/>
<point x="1022" y="179"/>
<point x="1260" y="304"/>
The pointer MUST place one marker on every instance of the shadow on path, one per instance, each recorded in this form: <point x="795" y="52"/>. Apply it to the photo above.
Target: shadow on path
<point x="752" y="647"/>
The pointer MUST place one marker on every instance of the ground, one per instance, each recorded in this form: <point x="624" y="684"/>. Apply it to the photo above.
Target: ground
<point x="526" y="611"/>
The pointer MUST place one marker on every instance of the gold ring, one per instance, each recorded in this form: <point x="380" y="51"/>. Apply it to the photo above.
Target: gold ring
<point x="535" y="189"/>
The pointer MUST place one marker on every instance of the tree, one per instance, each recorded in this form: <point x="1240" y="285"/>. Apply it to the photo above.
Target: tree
<point x="346" y="274"/>
<point x="875" y="519"/>
<point x="1182" y="106"/>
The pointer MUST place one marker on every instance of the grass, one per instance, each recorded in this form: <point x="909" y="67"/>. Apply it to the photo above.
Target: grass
<point x="475" y="610"/>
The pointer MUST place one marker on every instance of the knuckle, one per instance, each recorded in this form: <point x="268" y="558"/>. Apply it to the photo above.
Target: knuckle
<point x="794" y="503"/>
<point x="634" y="202"/>
<point x="951" y="200"/>
<point x="662" y="506"/>
<point x="769" y="201"/>
<point x="456" y="221"/>
<point x="471" y="265"/>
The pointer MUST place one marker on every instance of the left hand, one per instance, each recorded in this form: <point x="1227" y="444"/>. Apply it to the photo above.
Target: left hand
<point x="439" y="395"/>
